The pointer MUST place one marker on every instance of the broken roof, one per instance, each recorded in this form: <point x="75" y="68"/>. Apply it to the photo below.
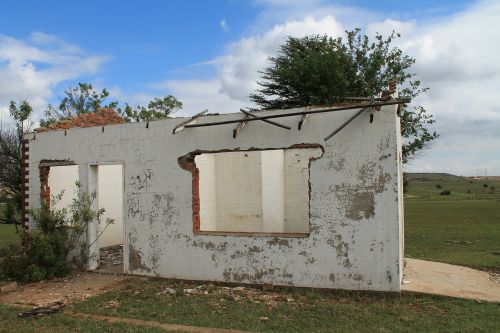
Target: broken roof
<point x="101" y="117"/>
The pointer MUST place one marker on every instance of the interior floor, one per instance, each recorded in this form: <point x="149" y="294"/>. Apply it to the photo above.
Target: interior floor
<point x="111" y="259"/>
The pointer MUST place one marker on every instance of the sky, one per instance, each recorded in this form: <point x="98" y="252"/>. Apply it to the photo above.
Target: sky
<point x="208" y="54"/>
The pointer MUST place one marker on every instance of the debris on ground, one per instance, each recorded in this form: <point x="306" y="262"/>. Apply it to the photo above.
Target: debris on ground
<point x="41" y="311"/>
<point x="111" y="255"/>
<point x="114" y="304"/>
<point x="457" y="241"/>
<point x="167" y="291"/>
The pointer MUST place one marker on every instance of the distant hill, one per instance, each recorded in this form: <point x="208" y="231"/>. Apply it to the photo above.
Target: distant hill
<point x="423" y="176"/>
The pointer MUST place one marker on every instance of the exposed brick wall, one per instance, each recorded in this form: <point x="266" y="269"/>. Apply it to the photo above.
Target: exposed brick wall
<point x="187" y="163"/>
<point x="196" y="198"/>
<point x="44" y="185"/>
<point x="99" y="118"/>
<point x="24" y="182"/>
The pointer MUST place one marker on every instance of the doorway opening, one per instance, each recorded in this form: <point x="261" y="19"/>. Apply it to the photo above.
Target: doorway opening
<point x="109" y="186"/>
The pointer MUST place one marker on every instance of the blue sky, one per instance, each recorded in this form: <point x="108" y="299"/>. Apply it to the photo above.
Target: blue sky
<point x="207" y="53"/>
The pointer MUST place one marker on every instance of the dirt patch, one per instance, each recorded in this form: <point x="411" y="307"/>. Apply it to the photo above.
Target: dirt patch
<point x="68" y="290"/>
<point x="149" y="323"/>
<point x="450" y="280"/>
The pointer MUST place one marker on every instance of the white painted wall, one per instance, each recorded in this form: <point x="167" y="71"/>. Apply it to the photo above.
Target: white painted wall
<point x="207" y="181"/>
<point x="239" y="210"/>
<point x="110" y="197"/>
<point x="62" y="180"/>
<point x="355" y="215"/>
<point x="273" y="191"/>
<point x="296" y="173"/>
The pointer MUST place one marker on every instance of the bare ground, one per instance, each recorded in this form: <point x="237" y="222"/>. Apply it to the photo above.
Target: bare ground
<point x="420" y="276"/>
<point x="450" y="280"/>
<point x="71" y="289"/>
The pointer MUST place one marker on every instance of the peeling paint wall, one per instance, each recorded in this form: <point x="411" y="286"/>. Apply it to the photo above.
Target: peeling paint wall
<point x="355" y="239"/>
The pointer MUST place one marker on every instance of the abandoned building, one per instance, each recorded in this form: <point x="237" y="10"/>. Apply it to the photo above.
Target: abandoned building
<point x="268" y="197"/>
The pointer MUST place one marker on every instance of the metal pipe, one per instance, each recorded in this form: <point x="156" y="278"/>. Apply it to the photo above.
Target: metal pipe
<point x="346" y="123"/>
<point x="265" y="120"/>
<point x="299" y="113"/>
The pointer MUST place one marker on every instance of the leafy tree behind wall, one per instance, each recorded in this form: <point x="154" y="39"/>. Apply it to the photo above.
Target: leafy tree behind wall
<point x="320" y="70"/>
<point x="85" y="99"/>
<point x="10" y="159"/>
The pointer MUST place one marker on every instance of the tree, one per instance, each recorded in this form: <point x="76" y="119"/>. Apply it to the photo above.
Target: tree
<point x="321" y="70"/>
<point x="85" y="99"/>
<point x="158" y="108"/>
<point x="77" y="100"/>
<point x="10" y="159"/>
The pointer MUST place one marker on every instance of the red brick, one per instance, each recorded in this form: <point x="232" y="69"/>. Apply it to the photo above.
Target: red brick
<point x="99" y="118"/>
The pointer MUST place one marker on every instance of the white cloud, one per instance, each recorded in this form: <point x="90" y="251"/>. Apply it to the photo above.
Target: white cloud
<point x="198" y="95"/>
<point x="29" y="69"/>
<point x="458" y="59"/>
<point x="457" y="56"/>
<point x="386" y="27"/>
<point x="223" y="25"/>
<point x="238" y="69"/>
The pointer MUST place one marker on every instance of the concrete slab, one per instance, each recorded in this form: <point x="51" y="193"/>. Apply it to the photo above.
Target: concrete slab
<point x="450" y="280"/>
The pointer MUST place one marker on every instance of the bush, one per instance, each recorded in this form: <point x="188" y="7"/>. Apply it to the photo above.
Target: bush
<point x="468" y="191"/>
<point x="10" y="250"/>
<point x="12" y="210"/>
<point x="406" y="182"/>
<point x="446" y="192"/>
<point x="492" y="188"/>
<point x="485" y="185"/>
<point x="439" y="186"/>
<point x="59" y="233"/>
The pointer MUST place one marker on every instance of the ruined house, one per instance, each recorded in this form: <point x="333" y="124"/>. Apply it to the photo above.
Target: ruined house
<point x="308" y="197"/>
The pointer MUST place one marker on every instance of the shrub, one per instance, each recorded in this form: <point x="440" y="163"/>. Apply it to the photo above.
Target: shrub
<point x="485" y="185"/>
<point x="12" y="210"/>
<point x="439" y="186"/>
<point x="468" y="191"/>
<point x="445" y="192"/>
<point x="59" y="234"/>
<point x="10" y="250"/>
<point x="406" y="182"/>
<point x="492" y="188"/>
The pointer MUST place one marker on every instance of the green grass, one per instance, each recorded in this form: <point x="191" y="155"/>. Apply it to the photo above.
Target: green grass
<point x="60" y="323"/>
<point x="9" y="240"/>
<point x="462" y="228"/>
<point x="8" y="235"/>
<point x="295" y="310"/>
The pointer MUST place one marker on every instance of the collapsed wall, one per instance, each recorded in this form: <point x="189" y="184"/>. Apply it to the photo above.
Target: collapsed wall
<point x="272" y="205"/>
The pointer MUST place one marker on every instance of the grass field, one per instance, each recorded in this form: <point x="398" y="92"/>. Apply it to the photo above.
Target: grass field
<point x="461" y="228"/>
<point x="8" y="235"/>
<point x="294" y="310"/>
<point x="9" y="240"/>
<point x="61" y="323"/>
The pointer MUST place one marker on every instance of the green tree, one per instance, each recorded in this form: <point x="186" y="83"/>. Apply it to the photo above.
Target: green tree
<point x="84" y="99"/>
<point x="76" y="101"/>
<point x="158" y="108"/>
<point x="10" y="159"/>
<point x="321" y="70"/>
